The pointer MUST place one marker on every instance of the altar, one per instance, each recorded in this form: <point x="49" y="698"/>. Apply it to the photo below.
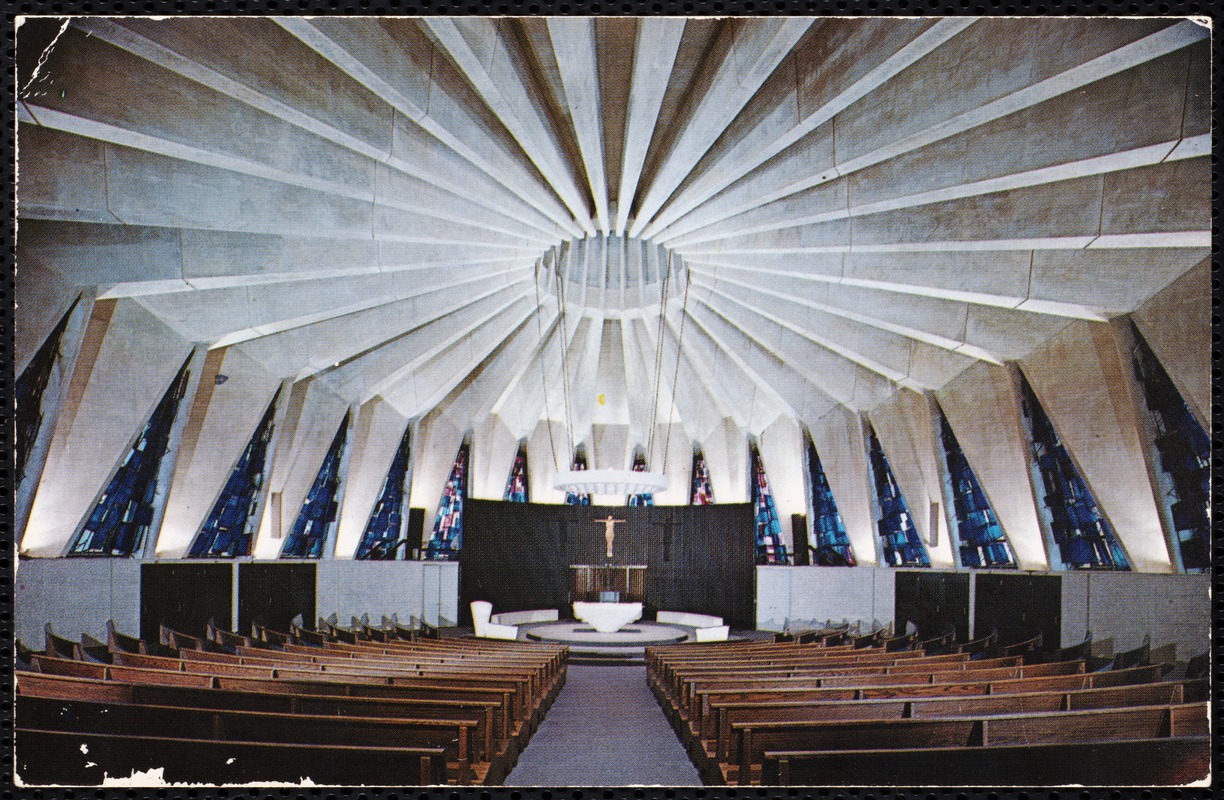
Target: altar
<point x="607" y="617"/>
<point x="608" y="583"/>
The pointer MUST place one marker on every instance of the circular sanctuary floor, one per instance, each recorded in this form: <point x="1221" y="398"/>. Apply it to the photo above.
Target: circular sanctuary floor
<point x="634" y="635"/>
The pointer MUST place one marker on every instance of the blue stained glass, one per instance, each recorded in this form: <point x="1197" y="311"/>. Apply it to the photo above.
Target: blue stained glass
<point x="516" y="484"/>
<point x="29" y="389"/>
<point x="319" y="509"/>
<point x="230" y="527"/>
<point x="1082" y="535"/>
<point x="120" y="520"/>
<point x="382" y="532"/>
<point x="982" y="541"/>
<point x="1184" y="454"/>
<point x="770" y="548"/>
<point x="645" y="499"/>
<point x="832" y="544"/>
<point x="447" y="535"/>
<point x="702" y="493"/>
<point x="578" y="498"/>
<point x="901" y="544"/>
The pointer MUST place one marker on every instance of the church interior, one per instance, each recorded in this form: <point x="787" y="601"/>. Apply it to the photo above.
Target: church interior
<point x="613" y="401"/>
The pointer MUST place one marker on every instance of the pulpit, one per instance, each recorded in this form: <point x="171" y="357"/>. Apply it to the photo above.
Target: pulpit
<point x="592" y="583"/>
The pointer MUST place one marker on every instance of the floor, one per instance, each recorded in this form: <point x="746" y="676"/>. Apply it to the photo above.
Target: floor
<point x="604" y="729"/>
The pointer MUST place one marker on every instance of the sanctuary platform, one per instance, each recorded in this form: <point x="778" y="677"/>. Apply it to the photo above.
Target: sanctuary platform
<point x="587" y="644"/>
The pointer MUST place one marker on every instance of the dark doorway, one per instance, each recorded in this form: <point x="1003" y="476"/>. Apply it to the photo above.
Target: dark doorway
<point x="275" y="594"/>
<point x="1020" y="606"/>
<point x="185" y="597"/>
<point x="933" y="600"/>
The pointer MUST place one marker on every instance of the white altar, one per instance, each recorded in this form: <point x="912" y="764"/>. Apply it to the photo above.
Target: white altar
<point x="607" y="617"/>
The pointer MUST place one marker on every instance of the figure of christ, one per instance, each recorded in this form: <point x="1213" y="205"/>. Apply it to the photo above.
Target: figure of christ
<point x="609" y="534"/>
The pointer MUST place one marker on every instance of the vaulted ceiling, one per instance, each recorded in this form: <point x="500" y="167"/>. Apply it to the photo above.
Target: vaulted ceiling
<point x="820" y="210"/>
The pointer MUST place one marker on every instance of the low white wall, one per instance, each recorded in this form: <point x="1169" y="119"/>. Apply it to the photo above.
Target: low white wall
<point x="76" y="596"/>
<point x="1125" y="607"/>
<point x="428" y="590"/>
<point x="1122" y="606"/>
<point x="79" y="595"/>
<point x="800" y="597"/>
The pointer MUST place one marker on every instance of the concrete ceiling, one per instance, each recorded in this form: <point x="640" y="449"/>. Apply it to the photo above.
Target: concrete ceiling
<point x="395" y="206"/>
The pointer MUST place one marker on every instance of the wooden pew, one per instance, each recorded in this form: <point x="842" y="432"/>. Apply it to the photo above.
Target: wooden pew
<point x="750" y="741"/>
<point x="716" y="731"/>
<point x="1133" y="762"/>
<point x="454" y="735"/>
<point x="493" y="729"/>
<point x="56" y="757"/>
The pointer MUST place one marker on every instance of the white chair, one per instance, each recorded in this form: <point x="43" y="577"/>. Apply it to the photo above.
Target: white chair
<point x="482" y="610"/>
<point x="717" y="633"/>
<point x="688" y="618"/>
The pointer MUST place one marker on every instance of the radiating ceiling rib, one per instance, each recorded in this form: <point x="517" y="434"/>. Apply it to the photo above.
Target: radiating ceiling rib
<point x="759" y="47"/>
<point x="817" y="298"/>
<point x="753" y="142"/>
<point x="573" y="41"/>
<point x="796" y="361"/>
<point x="480" y="50"/>
<point x="425" y="199"/>
<point x="751" y="405"/>
<point x="228" y="315"/>
<point x="658" y="41"/>
<point x="392" y="67"/>
<point x="806" y="322"/>
<point x="379" y="369"/>
<point x="474" y="398"/>
<point x="693" y="387"/>
<point x="423" y="162"/>
<point x="793" y="171"/>
<point x="335" y="342"/>
<point x="790" y="211"/>
<point x="444" y="371"/>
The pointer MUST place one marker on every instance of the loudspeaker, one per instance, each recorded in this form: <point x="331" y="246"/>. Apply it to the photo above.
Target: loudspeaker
<point x="416" y="527"/>
<point x="799" y="540"/>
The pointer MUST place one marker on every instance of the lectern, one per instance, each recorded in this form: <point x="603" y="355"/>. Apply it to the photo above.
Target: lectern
<point x="592" y="583"/>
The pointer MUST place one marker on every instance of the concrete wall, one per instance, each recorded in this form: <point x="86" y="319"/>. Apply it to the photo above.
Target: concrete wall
<point x="1118" y="606"/>
<point x="428" y="590"/>
<point x="79" y="595"/>
<point x="76" y="596"/>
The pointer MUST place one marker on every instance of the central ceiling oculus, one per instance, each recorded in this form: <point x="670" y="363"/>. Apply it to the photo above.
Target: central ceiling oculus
<point x="612" y="276"/>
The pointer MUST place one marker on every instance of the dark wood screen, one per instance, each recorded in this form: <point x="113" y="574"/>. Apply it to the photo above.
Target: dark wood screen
<point x="931" y="600"/>
<point x="185" y="597"/>
<point x="699" y="558"/>
<point x="1020" y="606"/>
<point x="275" y="593"/>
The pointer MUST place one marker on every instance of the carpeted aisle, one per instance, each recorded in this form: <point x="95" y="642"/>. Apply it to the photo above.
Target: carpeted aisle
<point x="604" y="729"/>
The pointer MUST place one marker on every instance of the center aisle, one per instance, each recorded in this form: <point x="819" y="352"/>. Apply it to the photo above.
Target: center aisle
<point x="604" y="729"/>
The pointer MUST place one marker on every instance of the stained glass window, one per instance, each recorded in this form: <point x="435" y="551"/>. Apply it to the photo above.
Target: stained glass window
<point x="319" y="509"/>
<point x="702" y="493"/>
<point x="516" y="484"/>
<point x="383" y="530"/>
<point x="639" y="465"/>
<point x="29" y="389"/>
<point x="230" y="527"/>
<point x="1083" y="537"/>
<point x="769" y="546"/>
<point x="901" y="544"/>
<point x="120" y="521"/>
<point x="447" y="535"/>
<point x="832" y="544"/>
<point x="981" y="538"/>
<point x="578" y="498"/>
<point x="1184" y="453"/>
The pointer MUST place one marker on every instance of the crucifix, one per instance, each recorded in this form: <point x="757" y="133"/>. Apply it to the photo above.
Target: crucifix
<point x="609" y="534"/>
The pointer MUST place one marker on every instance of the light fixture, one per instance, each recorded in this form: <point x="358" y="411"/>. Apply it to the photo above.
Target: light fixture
<point x="610" y="481"/>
